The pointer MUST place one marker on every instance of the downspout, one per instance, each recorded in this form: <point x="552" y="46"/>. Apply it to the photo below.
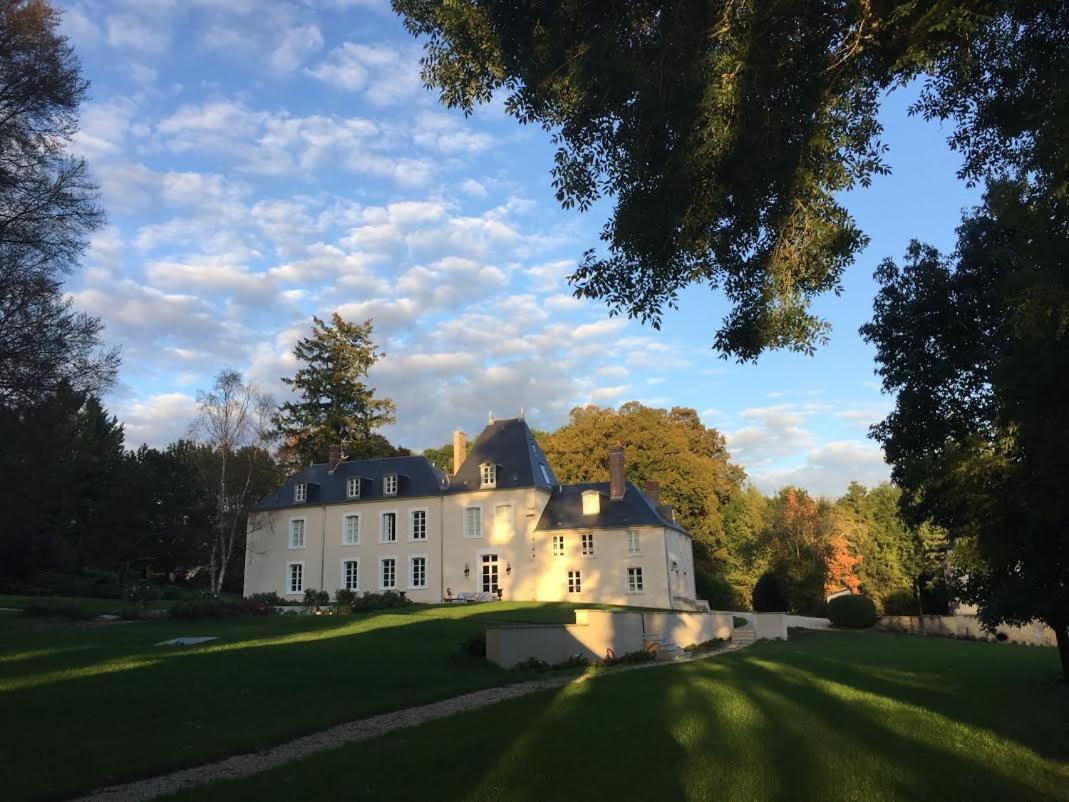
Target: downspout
<point x="667" y="570"/>
<point x="441" y="546"/>
<point x="323" y="549"/>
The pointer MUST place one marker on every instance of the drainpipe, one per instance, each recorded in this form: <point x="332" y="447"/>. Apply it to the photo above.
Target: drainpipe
<point x="323" y="548"/>
<point x="441" y="547"/>
<point x="667" y="569"/>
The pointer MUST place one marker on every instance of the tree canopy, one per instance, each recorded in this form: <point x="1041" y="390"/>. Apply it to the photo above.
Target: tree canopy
<point x="722" y="131"/>
<point x="333" y="405"/>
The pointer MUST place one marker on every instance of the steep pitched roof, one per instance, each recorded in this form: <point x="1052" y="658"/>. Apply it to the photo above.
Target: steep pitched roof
<point x="417" y="477"/>
<point x="511" y="446"/>
<point x="565" y="510"/>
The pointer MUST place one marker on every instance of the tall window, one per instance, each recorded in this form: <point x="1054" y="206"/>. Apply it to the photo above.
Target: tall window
<point x="473" y="522"/>
<point x="352" y="487"/>
<point x="545" y="473"/>
<point x="389" y="484"/>
<point x="632" y="541"/>
<point x="387" y="573"/>
<point x="634" y="580"/>
<point x="417" y="572"/>
<point x="558" y="545"/>
<point x="488" y="475"/>
<point x="388" y="533"/>
<point x="574" y="582"/>
<point x="297" y="533"/>
<point x="419" y="525"/>
<point x="503" y="521"/>
<point x="350" y="530"/>
<point x="350" y="574"/>
<point x="586" y="544"/>
<point x="300" y="493"/>
<point x="295" y="578"/>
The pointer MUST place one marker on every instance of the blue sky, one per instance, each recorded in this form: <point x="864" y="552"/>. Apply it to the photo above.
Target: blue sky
<point x="262" y="161"/>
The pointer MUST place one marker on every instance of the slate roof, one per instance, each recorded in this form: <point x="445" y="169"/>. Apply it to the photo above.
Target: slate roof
<point x="509" y="444"/>
<point x="416" y="477"/>
<point x="565" y="510"/>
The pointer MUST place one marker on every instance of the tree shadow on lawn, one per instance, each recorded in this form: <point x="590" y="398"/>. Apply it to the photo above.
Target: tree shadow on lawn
<point x="1009" y="690"/>
<point x="147" y="710"/>
<point x="820" y="736"/>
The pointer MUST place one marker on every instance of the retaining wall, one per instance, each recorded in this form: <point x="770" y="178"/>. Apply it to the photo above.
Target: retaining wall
<point x="965" y="626"/>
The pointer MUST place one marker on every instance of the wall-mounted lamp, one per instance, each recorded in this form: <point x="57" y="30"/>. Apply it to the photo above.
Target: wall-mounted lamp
<point x="675" y="565"/>
<point x="508" y="568"/>
<point x="467" y="570"/>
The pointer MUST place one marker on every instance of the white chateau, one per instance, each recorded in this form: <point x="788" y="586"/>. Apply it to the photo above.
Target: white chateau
<point x="499" y="525"/>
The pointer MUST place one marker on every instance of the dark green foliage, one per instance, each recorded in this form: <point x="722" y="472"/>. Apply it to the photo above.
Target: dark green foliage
<point x="737" y="621"/>
<point x="333" y="406"/>
<point x="716" y="590"/>
<point x="768" y="595"/>
<point x="640" y="656"/>
<point x="58" y="608"/>
<point x="856" y="612"/>
<point x="704" y="646"/>
<point x="441" y="457"/>
<point x="901" y="602"/>
<point x="273" y="598"/>
<point x="316" y="598"/>
<point x="387" y="600"/>
<point x="143" y="592"/>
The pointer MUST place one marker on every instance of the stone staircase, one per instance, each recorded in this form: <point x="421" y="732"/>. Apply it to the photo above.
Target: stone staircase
<point x="743" y="636"/>
<point x="665" y="650"/>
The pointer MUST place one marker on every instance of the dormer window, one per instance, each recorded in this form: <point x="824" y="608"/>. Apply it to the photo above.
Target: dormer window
<point x="300" y="493"/>
<point x="352" y="487"/>
<point x="545" y="473"/>
<point x="488" y="475"/>
<point x="591" y="502"/>
<point x="389" y="484"/>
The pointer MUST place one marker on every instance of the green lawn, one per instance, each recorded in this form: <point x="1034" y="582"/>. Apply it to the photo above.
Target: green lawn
<point x="90" y="604"/>
<point x="83" y="705"/>
<point x="832" y="716"/>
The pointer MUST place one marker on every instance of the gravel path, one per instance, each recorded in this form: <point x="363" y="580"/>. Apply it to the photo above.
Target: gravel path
<point x="350" y="732"/>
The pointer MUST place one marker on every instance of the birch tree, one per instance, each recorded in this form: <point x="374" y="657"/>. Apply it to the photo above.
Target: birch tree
<point x="234" y="422"/>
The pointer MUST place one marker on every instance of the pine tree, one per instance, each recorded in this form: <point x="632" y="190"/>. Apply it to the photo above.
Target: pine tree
<point x="333" y="405"/>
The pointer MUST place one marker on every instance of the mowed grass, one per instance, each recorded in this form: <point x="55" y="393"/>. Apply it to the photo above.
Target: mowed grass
<point x="833" y="716"/>
<point x="85" y="705"/>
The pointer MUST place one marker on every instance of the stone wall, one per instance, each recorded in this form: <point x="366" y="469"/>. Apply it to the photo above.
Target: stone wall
<point x="966" y="626"/>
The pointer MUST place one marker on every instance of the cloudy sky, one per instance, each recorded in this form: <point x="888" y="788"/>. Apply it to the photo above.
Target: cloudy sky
<point x="262" y="161"/>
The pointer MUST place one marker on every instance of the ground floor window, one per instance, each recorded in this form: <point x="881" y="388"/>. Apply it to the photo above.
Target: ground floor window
<point x="295" y="578"/>
<point x="574" y="582"/>
<point x="417" y="572"/>
<point x="388" y="573"/>
<point x="350" y="574"/>
<point x="634" y="580"/>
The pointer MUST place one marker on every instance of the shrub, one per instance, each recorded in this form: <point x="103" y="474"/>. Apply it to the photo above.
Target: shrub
<point x="768" y="594"/>
<point x="716" y="590"/>
<point x="345" y="598"/>
<point x="641" y="656"/>
<point x="852" y="611"/>
<point x="272" y="598"/>
<point x="739" y="621"/>
<point x="704" y="646"/>
<point x="143" y="592"/>
<point x="532" y="664"/>
<point x="316" y="598"/>
<point x="58" y="608"/>
<point x="900" y="602"/>
<point x="388" y="600"/>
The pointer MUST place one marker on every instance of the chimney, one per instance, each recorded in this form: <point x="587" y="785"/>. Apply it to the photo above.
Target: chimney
<point x="460" y="450"/>
<point x="653" y="490"/>
<point x="616" y="472"/>
<point x="333" y="457"/>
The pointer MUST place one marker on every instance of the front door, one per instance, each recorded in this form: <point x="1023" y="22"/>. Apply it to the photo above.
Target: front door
<point x="489" y="574"/>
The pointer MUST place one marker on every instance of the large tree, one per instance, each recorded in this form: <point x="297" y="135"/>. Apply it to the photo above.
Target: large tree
<point x="723" y="131"/>
<point x="672" y="447"/>
<point x="48" y="206"/>
<point x="333" y="405"/>
<point x="975" y="345"/>
<point x="235" y="425"/>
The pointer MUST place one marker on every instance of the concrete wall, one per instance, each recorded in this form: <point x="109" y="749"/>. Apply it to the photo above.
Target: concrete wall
<point x="597" y="633"/>
<point x="767" y="626"/>
<point x="965" y="626"/>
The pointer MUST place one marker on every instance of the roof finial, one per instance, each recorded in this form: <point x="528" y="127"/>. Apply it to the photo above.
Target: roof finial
<point x="521" y="414"/>
<point x="491" y="419"/>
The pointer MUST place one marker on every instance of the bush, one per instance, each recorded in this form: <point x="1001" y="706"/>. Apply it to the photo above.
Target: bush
<point x="739" y="621"/>
<point x="380" y="601"/>
<point x="641" y="656"/>
<point x="220" y="608"/>
<point x="345" y="598"/>
<point x="900" y="602"/>
<point x="316" y="598"/>
<point x="143" y="592"/>
<point x="716" y="590"/>
<point x="856" y="612"/>
<point x="272" y="599"/>
<point x="768" y="594"/>
<point x="704" y="646"/>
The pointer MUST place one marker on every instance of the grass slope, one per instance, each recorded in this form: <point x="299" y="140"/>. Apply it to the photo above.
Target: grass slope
<point x="829" y="717"/>
<point x="84" y="705"/>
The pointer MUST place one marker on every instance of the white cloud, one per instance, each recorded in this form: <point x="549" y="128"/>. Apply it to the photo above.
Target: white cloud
<point x="445" y="134"/>
<point x="829" y="469"/>
<point x="129" y="32"/>
<point x="158" y="420"/>
<point x="384" y="74"/>
<point x="295" y="46"/>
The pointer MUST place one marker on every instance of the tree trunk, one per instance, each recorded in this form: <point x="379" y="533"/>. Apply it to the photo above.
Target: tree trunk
<point x="1061" y="636"/>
